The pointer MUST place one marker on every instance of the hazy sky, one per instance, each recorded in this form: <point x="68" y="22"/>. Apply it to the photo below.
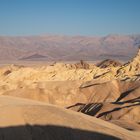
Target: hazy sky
<point x="69" y="17"/>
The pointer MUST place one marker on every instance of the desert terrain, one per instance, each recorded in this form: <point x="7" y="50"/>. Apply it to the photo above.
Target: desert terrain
<point x="69" y="100"/>
<point x="69" y="70"/>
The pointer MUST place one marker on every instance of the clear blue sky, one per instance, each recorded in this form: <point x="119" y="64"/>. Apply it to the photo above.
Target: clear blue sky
<point x="69" y="17"/>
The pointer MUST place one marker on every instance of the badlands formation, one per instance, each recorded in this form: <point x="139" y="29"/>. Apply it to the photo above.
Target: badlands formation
<point x="70" y="101"/>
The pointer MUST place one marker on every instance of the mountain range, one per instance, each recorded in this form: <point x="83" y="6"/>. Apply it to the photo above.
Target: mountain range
<point x="68" y="48"/>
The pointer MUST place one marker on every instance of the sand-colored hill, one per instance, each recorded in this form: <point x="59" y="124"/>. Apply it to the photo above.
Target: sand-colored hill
<point x="114" y="100"/>
<point x="109" y="63"/>
<point x="131" y="68"/>
<point x="26" y="120"/>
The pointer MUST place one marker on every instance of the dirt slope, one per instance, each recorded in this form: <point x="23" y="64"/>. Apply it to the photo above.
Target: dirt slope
<point x="26" y="120"/>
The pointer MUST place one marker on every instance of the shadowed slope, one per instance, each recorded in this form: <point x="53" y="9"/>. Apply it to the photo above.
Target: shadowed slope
<point x="50" y="132"/>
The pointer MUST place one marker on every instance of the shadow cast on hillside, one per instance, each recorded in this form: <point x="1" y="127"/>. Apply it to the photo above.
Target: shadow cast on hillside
<point x="93" y="108"/>
<point x="90" y="109"/>
<point x="124" y="94"/>
<point x="50" y="132"/>
<point x="116" y="109"/>
<point x="87" y="85"/>
<point x="135" y="100"/>
<point x="76" y="105"/>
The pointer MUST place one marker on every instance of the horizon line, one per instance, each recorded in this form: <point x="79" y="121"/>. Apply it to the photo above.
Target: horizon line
<point x="67" y="35"/>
